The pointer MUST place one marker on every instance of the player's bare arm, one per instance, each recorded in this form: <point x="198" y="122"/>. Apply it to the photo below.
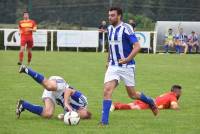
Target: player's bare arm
<point x="174" y="105"/>
<point x="67" y="94"/>
<point x="136" y="49"/>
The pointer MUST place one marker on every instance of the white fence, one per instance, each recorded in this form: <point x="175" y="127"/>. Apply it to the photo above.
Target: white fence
<point x="12" y="38"/>
<point x="72" y="38"/>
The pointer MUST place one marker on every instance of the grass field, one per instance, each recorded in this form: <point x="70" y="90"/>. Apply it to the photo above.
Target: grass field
<point x="85" y="71"/>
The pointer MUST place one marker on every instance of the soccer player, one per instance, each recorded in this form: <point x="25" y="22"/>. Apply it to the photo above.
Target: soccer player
<point x="123" y="47"/>
<point x="181" y="41"/>
<point x="193" y="42"/>
<point x="57" y="90"/>
<point x="169" y="40"/>
<point x="167" y="100"/>
<point x="26" y="28"/>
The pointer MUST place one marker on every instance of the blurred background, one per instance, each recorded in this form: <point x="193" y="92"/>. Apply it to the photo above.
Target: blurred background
<point x="83" y="14"/>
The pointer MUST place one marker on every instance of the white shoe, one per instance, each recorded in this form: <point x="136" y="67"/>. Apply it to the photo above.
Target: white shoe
<point x="112" y="108"/>
<point x="61" y="116"/>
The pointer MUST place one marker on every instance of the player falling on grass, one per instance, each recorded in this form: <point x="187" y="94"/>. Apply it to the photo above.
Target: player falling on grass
<point x="123" y="47"/>
<point x="57" y="90"/>
<point x="26" y="28"/>
<point x="167" y="100"/>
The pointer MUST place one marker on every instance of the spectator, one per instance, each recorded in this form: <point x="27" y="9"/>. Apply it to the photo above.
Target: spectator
<point x="102" y="29"/>
<point x="193" y="42"/>
<point x="169" y="40"/>
<point x="181" y="41"/>
<point x="132" y="23"/>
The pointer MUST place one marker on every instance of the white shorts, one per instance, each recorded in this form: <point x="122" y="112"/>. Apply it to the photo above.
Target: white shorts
<point x="48" y="94"/>
<point x="121" y="73"/>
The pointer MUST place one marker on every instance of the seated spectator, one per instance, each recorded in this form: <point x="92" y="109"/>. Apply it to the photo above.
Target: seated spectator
<point x="181" y="41"/>
<point x="193" y="41"/>
<point x="169" y="40"/>
<point x="102" y="29"/>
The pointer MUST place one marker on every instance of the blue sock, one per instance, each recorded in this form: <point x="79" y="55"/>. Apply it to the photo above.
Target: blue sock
<point x="36" y="76"/>
<point x="190" y="49"/>
<point x="166" y="47"/>
<point x="32" y="108"/>
<point x="177" y="49"/>
<point x="106" y="110"/>
<point x="146" y="99"/>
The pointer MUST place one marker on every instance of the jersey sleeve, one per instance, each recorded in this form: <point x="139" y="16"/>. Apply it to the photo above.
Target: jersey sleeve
<point x="130" y="34"/>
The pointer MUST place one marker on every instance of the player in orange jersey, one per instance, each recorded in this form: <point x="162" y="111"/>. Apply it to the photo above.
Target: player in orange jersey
<point x="26" y="28"/>
<point x="167" y="100"/>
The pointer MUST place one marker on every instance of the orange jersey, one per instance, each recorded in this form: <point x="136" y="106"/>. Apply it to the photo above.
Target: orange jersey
<point x="165" y="100"/>
<point x="25" y="25"/>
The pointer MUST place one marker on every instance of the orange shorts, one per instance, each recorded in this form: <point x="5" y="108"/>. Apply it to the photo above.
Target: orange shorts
<point x="27" y="40"/>
<point x="141" y="104"/>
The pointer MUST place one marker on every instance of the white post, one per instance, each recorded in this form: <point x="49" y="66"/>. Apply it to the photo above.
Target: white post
<point x="154" y="42"/>
<point x="77" y="49"/>
<point x="52" y="41"/>
<point x="103" y="43"/>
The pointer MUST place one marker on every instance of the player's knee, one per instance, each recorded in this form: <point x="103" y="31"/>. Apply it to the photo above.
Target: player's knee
<point x="46" y="83"/>
<point x="47" y="114"/>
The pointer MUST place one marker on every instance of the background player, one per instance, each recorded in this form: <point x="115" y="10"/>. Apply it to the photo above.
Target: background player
<point x="181" y="41"/>
<point x="167" y="100"/>
<point x="26" y="28"/>
<point x="169" y="40"/>
<point x="56" y="91"/>
<point x="193" y="41"/>
<point x="123" y="47"/>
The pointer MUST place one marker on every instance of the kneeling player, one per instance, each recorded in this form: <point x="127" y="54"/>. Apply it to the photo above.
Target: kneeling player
<point x="56" y="91"/>
<point x="167" y="100"/>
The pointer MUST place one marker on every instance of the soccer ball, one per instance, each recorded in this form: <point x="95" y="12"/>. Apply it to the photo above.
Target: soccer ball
<point x="71" y="118"/>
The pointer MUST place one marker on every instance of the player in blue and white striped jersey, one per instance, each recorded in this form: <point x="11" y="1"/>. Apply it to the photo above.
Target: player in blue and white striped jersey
<point x="123" y="47"/>
<point x="57" y="90"/>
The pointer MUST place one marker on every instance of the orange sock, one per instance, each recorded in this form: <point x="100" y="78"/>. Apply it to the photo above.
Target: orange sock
<point x="29" y="57"/>
<point x="121" y="106"/>
<point x="21" y="56"/>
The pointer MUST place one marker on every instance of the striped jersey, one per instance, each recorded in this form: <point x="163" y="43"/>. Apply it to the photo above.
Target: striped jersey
<point x="193" y="37"/>
<point x="181" y="37"/>
<point x="121" y="40"/>
<point x="76" y="100"/>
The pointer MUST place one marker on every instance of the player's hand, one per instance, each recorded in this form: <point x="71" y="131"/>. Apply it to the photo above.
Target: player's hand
<point x="123" y="61"/>
<point x="68" y="108"/>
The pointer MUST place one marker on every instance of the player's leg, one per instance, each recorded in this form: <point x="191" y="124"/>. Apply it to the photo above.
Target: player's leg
<point x="29" y="48"/>
<point x="141" y="96"/>
<point x="128" y="76"/>
<point x="24" y="105"/>
<point x="121" y="106"/>
<point x="166" y="47"/>
<point x="39" y="78"/>
<point x="190" y="47"/>
<point x="21" y="54"/>
<point x="185" y="47"/>
<point x="111" y="80"/>
<point x="108" y="90"/>
<point x="48" y="109"/>
<point x="197" y="46"/>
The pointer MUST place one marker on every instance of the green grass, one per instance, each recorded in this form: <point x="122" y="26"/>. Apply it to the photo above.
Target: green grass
<point x="85" y="71"/>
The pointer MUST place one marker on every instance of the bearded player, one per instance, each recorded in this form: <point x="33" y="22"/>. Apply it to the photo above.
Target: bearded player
<point x="26" y="28"/>
<point x="57" y="90"/>
<point x="167" y="100"/>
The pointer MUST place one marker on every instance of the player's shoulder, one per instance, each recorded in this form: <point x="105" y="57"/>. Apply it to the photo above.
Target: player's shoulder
<point x="128" y="28"/>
